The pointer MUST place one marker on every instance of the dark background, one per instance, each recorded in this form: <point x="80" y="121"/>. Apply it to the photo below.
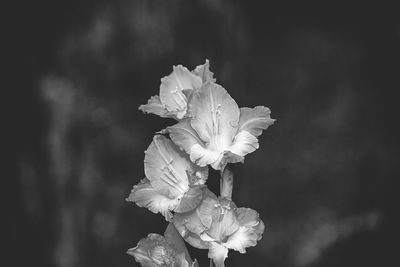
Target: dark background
<point x="322" y="180"/>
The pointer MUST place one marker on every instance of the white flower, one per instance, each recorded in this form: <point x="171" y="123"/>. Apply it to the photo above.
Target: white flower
<point x="216" y="131"/>
<point x="172" y="183"/>
<point x="176" y="89"/>
<point x="158" y="251"/>
<point x="218" y="225"/>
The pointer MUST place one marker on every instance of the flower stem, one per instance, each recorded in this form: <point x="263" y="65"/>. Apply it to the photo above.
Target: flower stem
<point x="226" y="183"/>
<point x="211" y="263"/>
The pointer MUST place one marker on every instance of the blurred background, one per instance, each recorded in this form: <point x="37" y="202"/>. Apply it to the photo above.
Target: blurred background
<point x="322" y="180"/>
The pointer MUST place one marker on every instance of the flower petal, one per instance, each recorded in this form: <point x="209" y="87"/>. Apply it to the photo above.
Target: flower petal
<point x="144" y="195"/>
<point x="255" y="120"/>
<point x="244" y="237"/>
<point x="190" y="227"/>
<point x="215" y="116"/>
<point x="224" y="222"/>
<point x="173" y="238"/>
<point x="171" y="88"/>
<point x="227" y="157"/>
<point x="209" y="210"/>
<point x="190" y="200"/>
<point x="203" y="71"/>
<point x="165" y="166"/>
<point x="184" y="136"/>
<point x="250" y="230"/>
<point x="229" y="224"/>
<point x="154" y="106"/>
<point x="155" y="251"/>
<point x="203" y="157"/>
<point x="244" y="143"/>
<point x="218" y="253"/>
<point x="142" y="251"/>
<point x="247" y="217"/>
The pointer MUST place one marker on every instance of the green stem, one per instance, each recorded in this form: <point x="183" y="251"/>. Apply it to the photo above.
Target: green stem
<point x="211" y="263"/>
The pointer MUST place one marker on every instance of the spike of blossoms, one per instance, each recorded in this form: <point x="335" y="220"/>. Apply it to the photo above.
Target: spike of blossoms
<point x="172" y="183"/>
<point x="176" y="89"/>
<point x="159" y="251"/>
<point x="218" y="225"/>
<point x="217" y="132"/>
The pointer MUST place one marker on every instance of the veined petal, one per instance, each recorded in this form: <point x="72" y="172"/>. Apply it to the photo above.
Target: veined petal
<point x="190" y="227"/>
<point x="218" y="160"/>
<point x="224" y="222"/>
<point x="209" y="209"/>
<point x="173" y="238"/>
<point x="144" y="195"/>
<point x="203" y="157"/>
<point x="250" y="230"/>
<point x="165" y="166"/>
<point x="184" y="136"/>
<point x="247" y="217"/>
<point x="154" y="106"/>
<point x="215" y="116"/>
<point x="191" y="199"/>
<point x="203" y="71"/>
<point x="171" y="88"/>
<point x="218" y="253"/>
<point x="244" y="237"/>
<point x="229" y="223"/>
<point x="244" y="143"/>
<point x="155" y="251"/>
<point x="255" y="120"/>
<point x="227" y="157"/>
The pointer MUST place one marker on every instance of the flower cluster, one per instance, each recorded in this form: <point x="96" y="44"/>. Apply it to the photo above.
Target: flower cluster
<point x="211" y="130"/>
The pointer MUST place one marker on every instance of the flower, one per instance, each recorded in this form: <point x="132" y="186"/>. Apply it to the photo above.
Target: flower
<point x="218" y="225"/>
<point x="172" y="183"/>
<point x="158" y="251"/>
<point x="216" y="131"/>
<point x="176" y="89"/>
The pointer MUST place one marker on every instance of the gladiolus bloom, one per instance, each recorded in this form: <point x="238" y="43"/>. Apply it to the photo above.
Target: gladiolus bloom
<point x="176" y="89"/>
<point x="218" y="225"/>
<point x="216" y="131"/>
<point x="158" y="251"/>
<point x="172" y="183"/>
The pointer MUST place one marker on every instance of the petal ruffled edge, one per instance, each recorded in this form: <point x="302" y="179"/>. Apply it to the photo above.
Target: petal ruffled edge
<point x="203" y="71"/>
<point x="144" y="195"/>
<point x="255" y="120"/>
<point x="171" y="90"/>
<point x="183" y="135"/>
<point x="155" y="250"/>
<point x="250" y="230"/>
<point x="154" y="106"/>
<point x="244" y="143"/>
